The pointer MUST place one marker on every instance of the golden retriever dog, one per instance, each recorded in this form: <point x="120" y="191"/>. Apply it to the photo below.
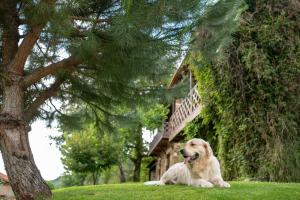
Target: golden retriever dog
<point x="200" y="167"/>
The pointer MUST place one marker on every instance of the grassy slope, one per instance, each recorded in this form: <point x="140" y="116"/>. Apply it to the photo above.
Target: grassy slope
<point x="238" y="191"/>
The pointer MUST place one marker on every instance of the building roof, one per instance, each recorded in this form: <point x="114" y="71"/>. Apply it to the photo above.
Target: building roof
<point x="4" y="178"/>
<point x="178" y="75"/>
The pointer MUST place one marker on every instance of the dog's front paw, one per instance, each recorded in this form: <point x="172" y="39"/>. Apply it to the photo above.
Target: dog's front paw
<point x="224" y="184"/>
<point x="206" y="185"/>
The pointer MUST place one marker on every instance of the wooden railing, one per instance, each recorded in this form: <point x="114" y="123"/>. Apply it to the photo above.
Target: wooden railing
<point x="186" y="112"/>
<point x="162" y="132"/>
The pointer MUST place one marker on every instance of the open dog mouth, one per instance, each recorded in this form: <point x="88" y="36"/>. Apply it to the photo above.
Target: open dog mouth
<point x="189" y="159"/>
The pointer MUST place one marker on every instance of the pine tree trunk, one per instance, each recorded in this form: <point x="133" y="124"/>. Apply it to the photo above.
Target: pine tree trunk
<point x="26" y="180"/>
<point x="122" y="174"/>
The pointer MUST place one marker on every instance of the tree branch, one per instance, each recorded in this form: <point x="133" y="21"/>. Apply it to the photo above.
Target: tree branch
<point x="10" y="34"/>
<point x="45" y="95"/>
<point x="18" y="62"/>
<point x="55" y="107"/>
<point x="52" y="69"/>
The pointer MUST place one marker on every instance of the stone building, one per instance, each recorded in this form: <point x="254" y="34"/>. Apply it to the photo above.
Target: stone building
<point x="166" y="143"/>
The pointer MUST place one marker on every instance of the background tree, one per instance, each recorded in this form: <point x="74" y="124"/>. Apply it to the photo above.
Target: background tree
<point x="72" y="179"/>
<point x="153" y="117"/>
<point x="77" y="51"/>
<point x="135" y="148"/>
<point x="126" y="135"/>
<point x="141" y="117"/>
<point x="87" y="153"/>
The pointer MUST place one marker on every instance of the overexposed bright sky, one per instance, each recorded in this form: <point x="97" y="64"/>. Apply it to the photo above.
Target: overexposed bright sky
<point x="45" y="153"/>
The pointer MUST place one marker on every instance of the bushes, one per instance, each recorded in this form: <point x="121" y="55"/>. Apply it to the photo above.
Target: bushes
<point x="252" y="95"/>
<point x="50" y="185"/>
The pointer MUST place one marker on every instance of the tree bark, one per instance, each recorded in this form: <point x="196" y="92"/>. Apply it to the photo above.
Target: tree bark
<point x="25" y="179"/>
<point x="68" y="64"/>
<point x="122" y="174"/>
<point x="24" y="176"/>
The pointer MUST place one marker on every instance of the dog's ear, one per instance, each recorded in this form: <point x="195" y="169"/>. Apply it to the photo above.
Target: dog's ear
<point x="208" y="149"/>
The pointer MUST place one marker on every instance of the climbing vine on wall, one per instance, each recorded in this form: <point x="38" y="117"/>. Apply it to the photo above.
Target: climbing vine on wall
<point x="252" y="95"/>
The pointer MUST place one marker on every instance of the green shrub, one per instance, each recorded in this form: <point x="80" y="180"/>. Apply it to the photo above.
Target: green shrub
<point x="50" y="185"/>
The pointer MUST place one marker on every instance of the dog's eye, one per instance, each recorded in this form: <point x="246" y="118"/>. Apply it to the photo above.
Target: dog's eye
<point x="193" y="144"/>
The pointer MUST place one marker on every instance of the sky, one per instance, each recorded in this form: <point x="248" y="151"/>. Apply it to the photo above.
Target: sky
<point x="46" y="154"/>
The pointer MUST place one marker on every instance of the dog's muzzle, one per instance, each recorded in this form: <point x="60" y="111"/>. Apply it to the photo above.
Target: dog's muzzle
<point x="188" y="158"/>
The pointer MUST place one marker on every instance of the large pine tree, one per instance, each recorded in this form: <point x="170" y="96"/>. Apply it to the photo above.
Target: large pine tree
<point x="77" y="49"/>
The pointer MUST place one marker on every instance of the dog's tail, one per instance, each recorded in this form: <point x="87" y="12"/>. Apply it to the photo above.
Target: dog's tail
<point x="157" y="183"/>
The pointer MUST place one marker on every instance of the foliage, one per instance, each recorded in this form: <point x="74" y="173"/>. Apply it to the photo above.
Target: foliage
<point x="153" y="117"/>
<point x="50" y="185"/>
<point x="85" y="152"/>
<point x="239" y="190"/>
<point x="57" y="182"/>
<point x="135" y="43"/>
<point x="72" y="179"/>
<point x="251" y="96"/>
<point x="220" y="19"/>
<point x="134" y="148"/>
<point x="145" y="169"/>
<point x="106" y="175"/>
<point x="126" y="136"/>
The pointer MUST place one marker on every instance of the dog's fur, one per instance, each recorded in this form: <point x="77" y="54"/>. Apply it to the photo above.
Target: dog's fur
<point x="200" y="168"/>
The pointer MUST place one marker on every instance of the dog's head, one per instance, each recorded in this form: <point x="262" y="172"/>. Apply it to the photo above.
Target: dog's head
<point x="196" y="149"/>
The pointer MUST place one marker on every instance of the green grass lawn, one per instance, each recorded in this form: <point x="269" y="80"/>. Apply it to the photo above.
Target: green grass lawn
<point x="238" y="191"/>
